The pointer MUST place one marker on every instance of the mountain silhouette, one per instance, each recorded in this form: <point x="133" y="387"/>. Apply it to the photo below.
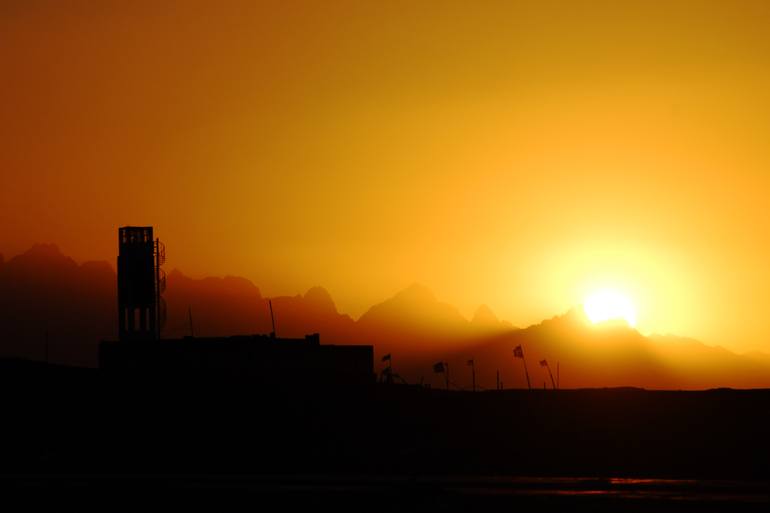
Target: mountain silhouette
<point x="484" y="317"/>
<point x="314" y="312"/>
<point x="417" y="329"/>
<point x="219" y="306"/>
<point x="47" y="300"/>
<point x="412" y="322"/>
<point x="46" y="296"/>
<point x="612" y="354"/>
<point x="234" y="306"/>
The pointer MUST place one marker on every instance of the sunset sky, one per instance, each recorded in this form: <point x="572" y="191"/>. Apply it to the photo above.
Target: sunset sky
<point x="518" y="154"/>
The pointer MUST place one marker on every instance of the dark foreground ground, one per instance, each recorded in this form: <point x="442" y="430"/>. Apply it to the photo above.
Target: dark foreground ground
<point x="75" y="435"/>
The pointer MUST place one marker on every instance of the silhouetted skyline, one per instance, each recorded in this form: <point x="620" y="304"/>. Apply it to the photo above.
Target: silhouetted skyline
<point x="45" y="291"/>
<point x="427" y="255"/>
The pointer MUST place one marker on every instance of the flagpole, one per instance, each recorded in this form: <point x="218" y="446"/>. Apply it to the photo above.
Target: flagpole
<point x="388" y="371"/>
<point x="526" y="372"/>
<point x="551" y="374"/>
<point x="473" y="371"/>
<point x="189" y="314"/>
<point x="446" y="374"/>
<point x="557" y="376"/>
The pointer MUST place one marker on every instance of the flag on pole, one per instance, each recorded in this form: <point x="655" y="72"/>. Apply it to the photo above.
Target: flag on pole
<point x="470" y="362"/>
<point x="386" y="358"/>
<point x="438" y="367"/>
<point x="544" y="363"/>
<point x="387" y="375"/>
<point x="518" y="352"/>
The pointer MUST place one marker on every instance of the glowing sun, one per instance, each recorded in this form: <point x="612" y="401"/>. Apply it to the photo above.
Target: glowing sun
<point x="610" y="305"/>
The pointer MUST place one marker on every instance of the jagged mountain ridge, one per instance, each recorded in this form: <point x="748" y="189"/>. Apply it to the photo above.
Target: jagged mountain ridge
<point x="42" y="289"/>
<point x="44" y="294"/>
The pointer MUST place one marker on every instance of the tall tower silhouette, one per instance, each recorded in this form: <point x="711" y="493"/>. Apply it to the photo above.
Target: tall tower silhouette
<point x="141" y="281"/>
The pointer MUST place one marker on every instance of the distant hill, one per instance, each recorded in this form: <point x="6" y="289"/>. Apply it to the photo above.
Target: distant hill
<point x="46" y="295"/>
<point x="219" y="306"/>
<point x="613" y="355"/>
<point x="415" y="324"/>
<point x="234" y="306"/>
<point x="44" y="292"/>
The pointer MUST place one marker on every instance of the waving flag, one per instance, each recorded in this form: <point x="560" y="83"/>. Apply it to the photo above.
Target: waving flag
<point x="518" y="352"/>
<point x="438" y="367"/>
<point x="544" y="363"/>
<point x="386" y="358"/>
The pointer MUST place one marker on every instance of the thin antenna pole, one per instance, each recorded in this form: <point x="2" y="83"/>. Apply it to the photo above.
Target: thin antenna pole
<point x="272" y="318"/>
<point x="557" y="375"/>
<point x="473" y="373"/>
<point x="189" y="313"/>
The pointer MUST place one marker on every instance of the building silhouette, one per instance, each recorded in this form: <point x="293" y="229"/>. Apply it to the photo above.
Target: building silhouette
<point x="140" y="349"/>
<point x="140" y="284"/>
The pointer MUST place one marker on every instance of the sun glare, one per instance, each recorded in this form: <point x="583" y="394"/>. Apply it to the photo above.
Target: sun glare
<point x="609" y="305"/>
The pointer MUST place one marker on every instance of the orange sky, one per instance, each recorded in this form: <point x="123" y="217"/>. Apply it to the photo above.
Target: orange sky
<point x="514" y="154"/>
